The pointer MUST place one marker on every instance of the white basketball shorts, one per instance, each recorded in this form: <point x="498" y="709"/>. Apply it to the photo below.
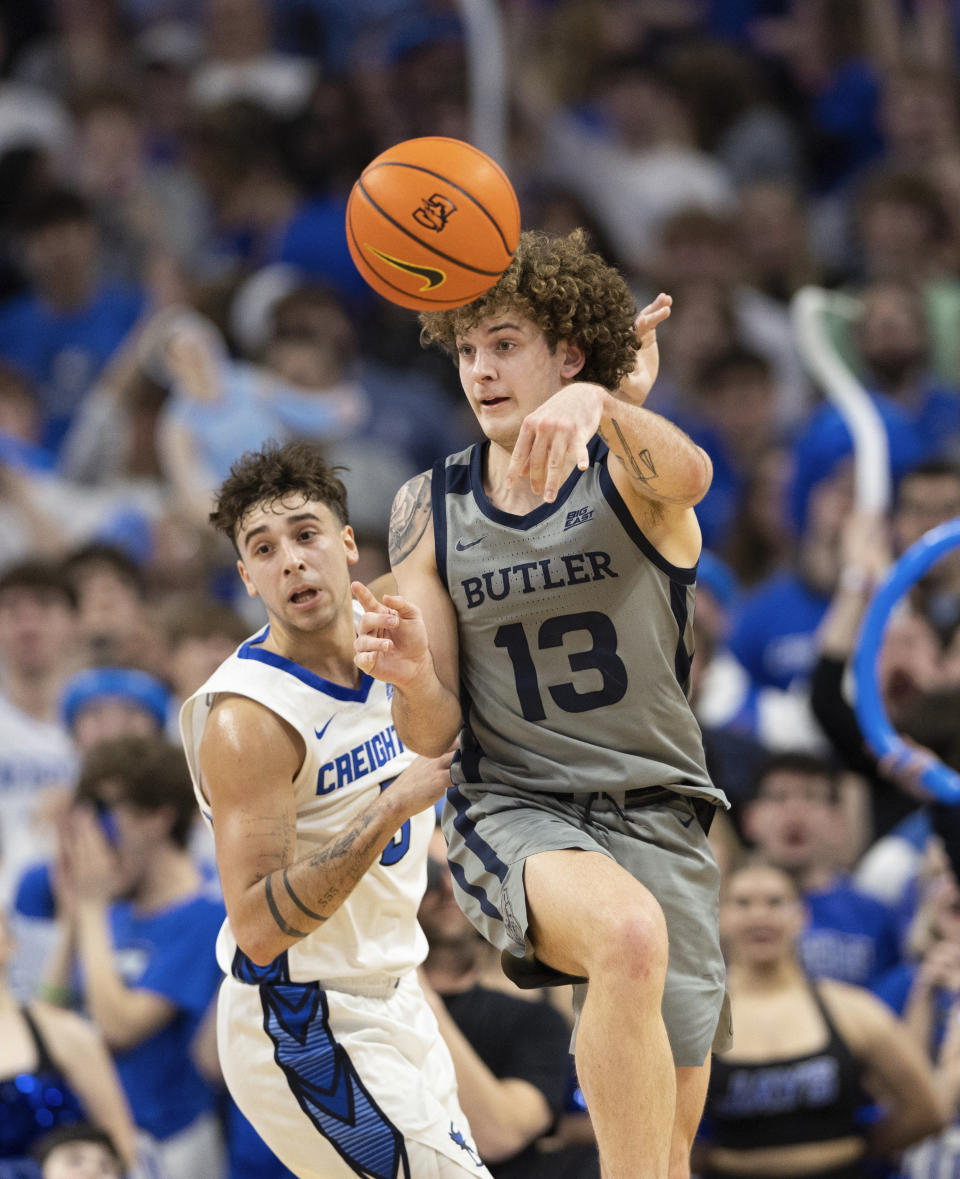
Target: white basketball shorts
<point x="342" y="1084"/>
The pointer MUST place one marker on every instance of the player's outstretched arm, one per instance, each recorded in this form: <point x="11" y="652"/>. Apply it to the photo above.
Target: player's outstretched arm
<point x="249" y="758"/>
<point x="411" y="640"/>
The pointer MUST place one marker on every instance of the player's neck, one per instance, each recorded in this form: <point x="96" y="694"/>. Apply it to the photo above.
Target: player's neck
<point x="327" y="653"/>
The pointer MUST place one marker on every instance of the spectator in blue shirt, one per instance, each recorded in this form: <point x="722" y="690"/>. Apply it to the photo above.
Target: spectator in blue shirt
<point x="145" y="927"/>
<point x="66" y="326"/>
<point x="797" y="821"/>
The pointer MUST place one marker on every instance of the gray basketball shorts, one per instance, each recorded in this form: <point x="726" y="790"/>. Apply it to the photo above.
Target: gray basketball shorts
<point x="491" y="830"/>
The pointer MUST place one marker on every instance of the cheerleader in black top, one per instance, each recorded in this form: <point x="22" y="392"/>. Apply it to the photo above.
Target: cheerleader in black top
<point x="806" y="1058"/>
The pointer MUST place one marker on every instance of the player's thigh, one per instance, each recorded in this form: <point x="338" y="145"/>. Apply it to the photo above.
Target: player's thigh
<point x="582" y="906"/>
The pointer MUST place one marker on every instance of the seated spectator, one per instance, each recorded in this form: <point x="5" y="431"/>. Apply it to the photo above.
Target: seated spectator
<point x="43" y="511"/>
<point x="739" y="722"/>
<point x="732" y="419"/>
<point x="511" y="1053"/>
<point x="79" y="1151"/>
<point x="65" y="328"/>
<point x="144" y="928"/>
<point x="115" y="623"/>
<point x="38" y="646"/>
<point x="892" y="339"/>
<point x="787" y="1099"/>
<point x="220" y="407"/>
<point x="54" y="1071"/>
<point x="797" y="821"/>
<point x="104" y="703"/>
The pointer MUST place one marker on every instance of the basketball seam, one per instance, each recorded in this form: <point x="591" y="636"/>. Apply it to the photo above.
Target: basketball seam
<point x="378" y="163"/>
<point x="426" y="245"/>
<point x="442" y="304"/>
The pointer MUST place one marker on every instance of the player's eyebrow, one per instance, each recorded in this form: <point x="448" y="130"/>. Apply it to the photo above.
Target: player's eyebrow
<point x="298" y="519"/>
<point x="492" y="331"/>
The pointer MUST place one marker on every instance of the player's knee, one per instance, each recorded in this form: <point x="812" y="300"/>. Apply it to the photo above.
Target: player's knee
<point x="633" y="945"/>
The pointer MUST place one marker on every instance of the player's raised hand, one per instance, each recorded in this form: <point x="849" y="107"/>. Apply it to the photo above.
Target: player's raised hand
<point x="554" y="438"/>
<point x="637" y="384"/>
<point x="391" y="642"/>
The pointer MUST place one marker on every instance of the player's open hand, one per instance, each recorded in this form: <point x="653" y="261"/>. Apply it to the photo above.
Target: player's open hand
<point x="637" y="384"/>
<point x="554" y="438"/>
<point x="391" y="642"/>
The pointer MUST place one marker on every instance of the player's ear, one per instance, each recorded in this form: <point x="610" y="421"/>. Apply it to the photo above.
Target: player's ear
<point x="350" y="544"/>
<point x="573" y="359"/>
<point x="245" y="578"/>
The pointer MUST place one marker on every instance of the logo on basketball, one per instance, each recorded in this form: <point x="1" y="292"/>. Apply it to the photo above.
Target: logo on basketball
<point x="431" y="276"/>
<point x="434" y="212"/>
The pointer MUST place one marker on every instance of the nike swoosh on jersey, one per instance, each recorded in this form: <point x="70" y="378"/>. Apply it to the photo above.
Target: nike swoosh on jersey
<point x="432" y="277"/>
<point x="460" y="545"/>
<point x="320" y="732"/>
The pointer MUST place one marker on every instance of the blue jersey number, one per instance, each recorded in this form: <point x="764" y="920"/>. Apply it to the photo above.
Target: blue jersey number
<point x="601" y="656"/>
<point x="398" y="847"/>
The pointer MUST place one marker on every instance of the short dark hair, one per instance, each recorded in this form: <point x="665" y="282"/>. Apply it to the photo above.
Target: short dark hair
<point x="54" y="206"/>
<point x="269" y="475"/>
<point x="794" y="761"/>
<point x="99" y="553"/>
<point x="152" y="773"/>
<point x="73" y="1132"/>
<point x="44" y="578"/>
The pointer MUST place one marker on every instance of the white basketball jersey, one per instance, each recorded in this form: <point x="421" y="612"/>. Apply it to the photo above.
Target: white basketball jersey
<point x="352" y="753"/>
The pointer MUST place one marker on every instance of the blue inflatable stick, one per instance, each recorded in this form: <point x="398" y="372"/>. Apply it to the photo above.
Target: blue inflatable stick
<point x="939" y="779"/>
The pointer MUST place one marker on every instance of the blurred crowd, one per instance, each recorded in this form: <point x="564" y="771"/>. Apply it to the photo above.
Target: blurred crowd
<point x="175" y="288"/>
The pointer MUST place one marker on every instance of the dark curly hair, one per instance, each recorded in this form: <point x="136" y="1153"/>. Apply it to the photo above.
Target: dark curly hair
<point x="568" y="291"/>
<point x="269" y="475"/>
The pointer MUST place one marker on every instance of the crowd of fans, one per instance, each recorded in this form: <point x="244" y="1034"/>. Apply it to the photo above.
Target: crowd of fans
<point x="175" y="288"/>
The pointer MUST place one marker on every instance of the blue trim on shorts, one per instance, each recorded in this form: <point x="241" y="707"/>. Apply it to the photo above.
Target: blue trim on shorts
<point x="468" y="832"/>
<point x="323" y="1079"/>
<point x="245" y="970"/>
<point x="484" y="852"/>
<point x="475" y="891"/>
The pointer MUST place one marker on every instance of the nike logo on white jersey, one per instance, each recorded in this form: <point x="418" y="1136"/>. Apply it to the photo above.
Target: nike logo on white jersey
<point x="320" y="732"/>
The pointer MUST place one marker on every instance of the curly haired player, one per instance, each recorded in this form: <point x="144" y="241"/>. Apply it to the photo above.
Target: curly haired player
<point x="547" y="581"/>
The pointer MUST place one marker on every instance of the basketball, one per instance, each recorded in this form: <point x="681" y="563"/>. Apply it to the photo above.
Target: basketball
<point x="432" y="223"/>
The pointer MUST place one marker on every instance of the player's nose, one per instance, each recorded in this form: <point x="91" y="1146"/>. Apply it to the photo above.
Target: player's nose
<point x="292" y="558"/>
<point x="483" y="364"/>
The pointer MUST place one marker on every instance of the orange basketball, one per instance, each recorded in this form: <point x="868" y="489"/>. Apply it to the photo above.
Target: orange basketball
<point x="432" y="223"/>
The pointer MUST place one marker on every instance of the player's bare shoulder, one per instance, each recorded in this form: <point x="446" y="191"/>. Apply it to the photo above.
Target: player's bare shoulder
<point x="411" y="517"/>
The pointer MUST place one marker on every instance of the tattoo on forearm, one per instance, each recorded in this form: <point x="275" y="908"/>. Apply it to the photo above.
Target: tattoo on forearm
<point x="296" y="900"/>
<point x="410" y="516"/>
<point x="277" y="915"/>
<point x="645" y="472"/>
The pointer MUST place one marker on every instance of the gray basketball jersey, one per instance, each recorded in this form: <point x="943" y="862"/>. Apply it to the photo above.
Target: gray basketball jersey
<point x="575" y="639"/>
